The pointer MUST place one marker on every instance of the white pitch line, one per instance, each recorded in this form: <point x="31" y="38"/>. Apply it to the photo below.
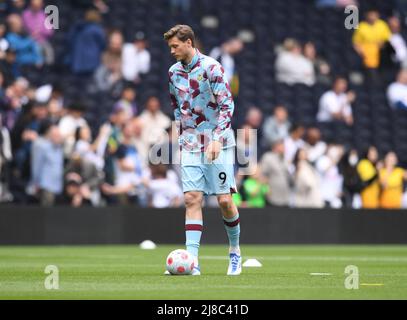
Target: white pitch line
<point x="320" y="274"/>
<point x="318" y="258"/>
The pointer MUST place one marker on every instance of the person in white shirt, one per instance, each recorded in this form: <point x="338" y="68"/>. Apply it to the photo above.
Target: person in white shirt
<point x="292" y="67"/>
<point x="69" y="124"/>
<point x="397" y="91"/>
<point x="154" y="121"/>
<point x="330" y="176"/>
<point x="224" y="54"/>
<point x="293" y="142"/>
<point x="163" y="188"/>
<point x="335" y="104"/>
<point x="314" y="145"/>
<point x="397" y="41"/>
<point x="136" y="59"/>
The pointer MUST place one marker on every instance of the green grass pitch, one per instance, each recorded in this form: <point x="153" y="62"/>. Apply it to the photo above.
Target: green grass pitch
<point x="127" y="272"/>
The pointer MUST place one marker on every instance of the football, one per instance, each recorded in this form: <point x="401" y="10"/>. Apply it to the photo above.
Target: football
<point x="180" y="262"/>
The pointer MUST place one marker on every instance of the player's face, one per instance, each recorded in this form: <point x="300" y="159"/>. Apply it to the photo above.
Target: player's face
<point x="179" y="49"/>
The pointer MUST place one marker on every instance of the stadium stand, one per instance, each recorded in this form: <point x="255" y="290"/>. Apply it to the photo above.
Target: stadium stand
<point x="375" y="123"/>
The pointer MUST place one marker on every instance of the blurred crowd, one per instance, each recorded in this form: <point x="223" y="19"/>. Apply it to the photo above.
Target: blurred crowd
<point x="50" y="156"/>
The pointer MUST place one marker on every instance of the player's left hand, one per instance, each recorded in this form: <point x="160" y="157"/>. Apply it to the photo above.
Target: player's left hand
<point x="213" y="150"/>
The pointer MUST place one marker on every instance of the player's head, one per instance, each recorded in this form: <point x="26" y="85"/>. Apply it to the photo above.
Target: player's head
<point x="181" y="40"/>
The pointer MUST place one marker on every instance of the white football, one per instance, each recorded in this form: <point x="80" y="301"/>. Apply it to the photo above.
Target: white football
<point x="180" y="262"/>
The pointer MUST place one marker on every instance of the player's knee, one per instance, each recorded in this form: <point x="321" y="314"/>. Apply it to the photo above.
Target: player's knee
<point x="192" y="199"/>
<point x="225" y="202"/>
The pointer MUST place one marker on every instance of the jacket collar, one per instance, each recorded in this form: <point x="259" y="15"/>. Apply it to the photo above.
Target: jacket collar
<point x="188" y="67"/>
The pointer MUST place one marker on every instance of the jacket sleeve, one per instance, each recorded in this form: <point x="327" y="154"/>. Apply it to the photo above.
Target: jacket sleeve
<point x="174" y="103"/>
<point x="224" y="100"/>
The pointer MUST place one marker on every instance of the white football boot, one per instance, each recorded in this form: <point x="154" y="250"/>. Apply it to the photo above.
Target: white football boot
<point x="235" y="265"/>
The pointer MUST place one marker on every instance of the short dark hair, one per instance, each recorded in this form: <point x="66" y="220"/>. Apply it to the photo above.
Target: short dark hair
<point x="182" y="32"/>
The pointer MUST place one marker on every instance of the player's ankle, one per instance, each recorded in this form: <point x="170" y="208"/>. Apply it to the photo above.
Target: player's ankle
<point x="196" y="262"/>
<point x="235" y="250"/>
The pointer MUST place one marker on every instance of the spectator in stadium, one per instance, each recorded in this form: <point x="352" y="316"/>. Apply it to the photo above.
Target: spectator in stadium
<point x="55" y="110"/>
<point x="4" y="45"/>
<point x="108" y="75"/>
<point x="397" y="41"/>
<point x="314" y="145"/>
<point x="368" y="172"/>
<point x="322" y="69"/>
<point x="330" y="176"/>
<point x="140" y="144"/>
<point x="154" y="122"/>
<point x="275" y="127"/>
<point x="397" y="91"/>
<point x="82" y="173"/>
<point x="274" y="168"/>
<point x="109" y="139"/>
<point x="16" y="7"/>
<point x="225" y="55"/>
<point x="127" y="102"/>
<point x="254" y="119"/>
<point x="129" y="171"/>
<point x="246" y="148"/>
<point x="163" y="188"/>
<point x="335" y="104"/>
<point x="28" y="52"/>
<point x="293" y="142"/>
<point x="69" y="123"/>
<point x="292" y="67"/>
<point x="254" y="190"/>
<point x="6" y="157"/>
<point x="34" y="21"/>
<point x="352" y="183"/>
<point x="26" y="131"/>
<point x="88" y="151"/>
<point x="368" y="39"/>
<point x="2" y="91"/>
<point x="86" y="42"/>
<point x="16" y="98"/>
<point x="391" y="179"/>
<point x="307" y="184"/>
<point x="73" y="195"/>
<point x="136" y="58"/>
<point x="47" y="163"/>
<point x="8" y="66"/>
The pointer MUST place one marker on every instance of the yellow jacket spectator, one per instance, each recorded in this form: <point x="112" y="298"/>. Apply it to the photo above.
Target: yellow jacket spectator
<point x="369" y="38"/>
<point x="391" y="181"/>
<point x="369" y="175"/>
